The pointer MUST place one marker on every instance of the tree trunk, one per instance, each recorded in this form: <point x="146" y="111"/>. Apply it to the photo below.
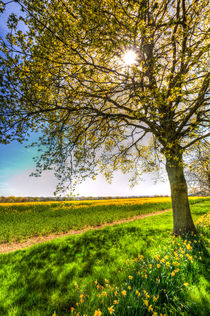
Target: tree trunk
<point x="182" y="219"/>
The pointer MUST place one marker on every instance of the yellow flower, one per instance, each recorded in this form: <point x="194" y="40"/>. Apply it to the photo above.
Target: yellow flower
<point x="168" y="264"/>
<point x="115" y="293"/>
<point x="107" y="281"/>
<point x="123" y="292"/>
<point x="137" y="292"/>
<point x="155" y="298"/>
<point x="115" y="302"/>
<point x="129" y="287"/>
<point x="72" y="309"/>
<point x="98" y="313"/>
<point x="130" y="277"/>
<point x="150" y="309"/>
<point x="173" y="273"/>
<point x="155" y="314"/>
<point x="158" y="265"/>
<point x="111" y="309"/>
<point x="146" y="302"/>
<point x="186" y="284"/>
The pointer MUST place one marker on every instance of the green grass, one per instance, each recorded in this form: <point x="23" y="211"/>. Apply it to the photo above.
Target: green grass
<point x="20" y="222"/>
<point x="41" y="279"/>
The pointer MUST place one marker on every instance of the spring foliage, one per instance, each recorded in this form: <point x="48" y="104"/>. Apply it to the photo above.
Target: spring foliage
<point x="62" y="73"/>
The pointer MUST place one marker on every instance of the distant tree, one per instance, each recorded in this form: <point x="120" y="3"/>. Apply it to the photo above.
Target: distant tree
<point x="110" y="84"/>
<point x="198" y="169"/>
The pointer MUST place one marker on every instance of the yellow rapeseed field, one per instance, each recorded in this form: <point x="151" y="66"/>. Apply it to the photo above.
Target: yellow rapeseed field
<point x="83" y="203"/>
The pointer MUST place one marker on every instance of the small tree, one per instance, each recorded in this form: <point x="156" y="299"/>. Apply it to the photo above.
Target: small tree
<point x="111" y="84"/>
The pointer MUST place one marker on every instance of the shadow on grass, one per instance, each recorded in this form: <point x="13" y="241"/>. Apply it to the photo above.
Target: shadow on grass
<point x="198" y="295"/>
<point x="43" y="276"/>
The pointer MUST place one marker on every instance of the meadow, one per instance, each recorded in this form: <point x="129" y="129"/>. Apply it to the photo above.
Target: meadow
<point x="20" y="221"/>
<point x="135" y="268"/>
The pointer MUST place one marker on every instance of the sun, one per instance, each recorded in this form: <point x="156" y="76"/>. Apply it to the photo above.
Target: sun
<point x="129" y="57"/>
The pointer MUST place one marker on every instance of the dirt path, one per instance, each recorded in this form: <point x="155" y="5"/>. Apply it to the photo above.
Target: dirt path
<point x="9" y="247"/>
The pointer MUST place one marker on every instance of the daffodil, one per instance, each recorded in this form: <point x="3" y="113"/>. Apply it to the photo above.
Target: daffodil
<point x="111" y="309"/>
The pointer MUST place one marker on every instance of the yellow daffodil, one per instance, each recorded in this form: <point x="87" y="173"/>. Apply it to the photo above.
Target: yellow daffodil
<point x="150" y="309"/>
<point x="98" y="313"/>
<point x="146" y="302"/>
<point x="111" y="309"/>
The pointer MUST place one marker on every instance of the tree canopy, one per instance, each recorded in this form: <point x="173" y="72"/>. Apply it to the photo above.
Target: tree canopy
<point x="64" y="74"/>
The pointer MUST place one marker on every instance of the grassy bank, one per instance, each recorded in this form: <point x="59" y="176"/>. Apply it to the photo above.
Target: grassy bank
<point x="50" y="277"/>
<point x="19" y="221"/>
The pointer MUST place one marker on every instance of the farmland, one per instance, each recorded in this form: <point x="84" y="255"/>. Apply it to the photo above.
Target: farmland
<point x="20" y="221"/>
<point x="135" y="268"/>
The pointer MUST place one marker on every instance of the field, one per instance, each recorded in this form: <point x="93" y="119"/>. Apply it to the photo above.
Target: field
<point x="136" y="268"/>
<point x="20" y="221"/>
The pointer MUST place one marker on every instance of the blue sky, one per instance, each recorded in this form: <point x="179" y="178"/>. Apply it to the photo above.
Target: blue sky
<point x="16" y="163"/>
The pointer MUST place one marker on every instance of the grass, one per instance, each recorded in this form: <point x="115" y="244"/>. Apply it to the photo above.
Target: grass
<point x="50" y="277"/>
<point x="20" y="221"/>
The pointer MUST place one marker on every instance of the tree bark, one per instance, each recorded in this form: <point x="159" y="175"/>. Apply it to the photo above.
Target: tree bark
<point x="182" y="219"/>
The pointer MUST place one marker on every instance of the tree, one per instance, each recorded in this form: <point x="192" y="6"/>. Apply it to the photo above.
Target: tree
<point x="198" y="169"/>
<point x="68" y="75"/>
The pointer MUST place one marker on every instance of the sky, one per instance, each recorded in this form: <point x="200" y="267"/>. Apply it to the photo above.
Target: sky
<point x="16" y="164"/>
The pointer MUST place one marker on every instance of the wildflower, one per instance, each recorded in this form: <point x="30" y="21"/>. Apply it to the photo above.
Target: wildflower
<point x="77" y="303"/>
<point x="129" y="287"/>
<point x="150" y="266"/>
<point x="96" y="282"/>
<point x="188" y="247"/>
<point x="158" y="265"/>
<point x="115" y="293"/>
<point x="72" y="309"/>
<point x="54" y="314"/>
<point x="173" y="273"/>
<point x="186" y="284"/>
<point x="155" y="314"/>
<point x="98" y="313"/>
<point x="107" y="281"/>
<point x="145" y="276"/>
<point x="146" y="302"/>
<point x="150" y="309"/>
<point x="130" y="277"/>
<point x="168" y="264"/>
<point x="115" y="302"/>
<point x="111" y="309"/>
<point x="137" y="292"/>
<point x="155" y="298"/>
<point x="123" y="292"/>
